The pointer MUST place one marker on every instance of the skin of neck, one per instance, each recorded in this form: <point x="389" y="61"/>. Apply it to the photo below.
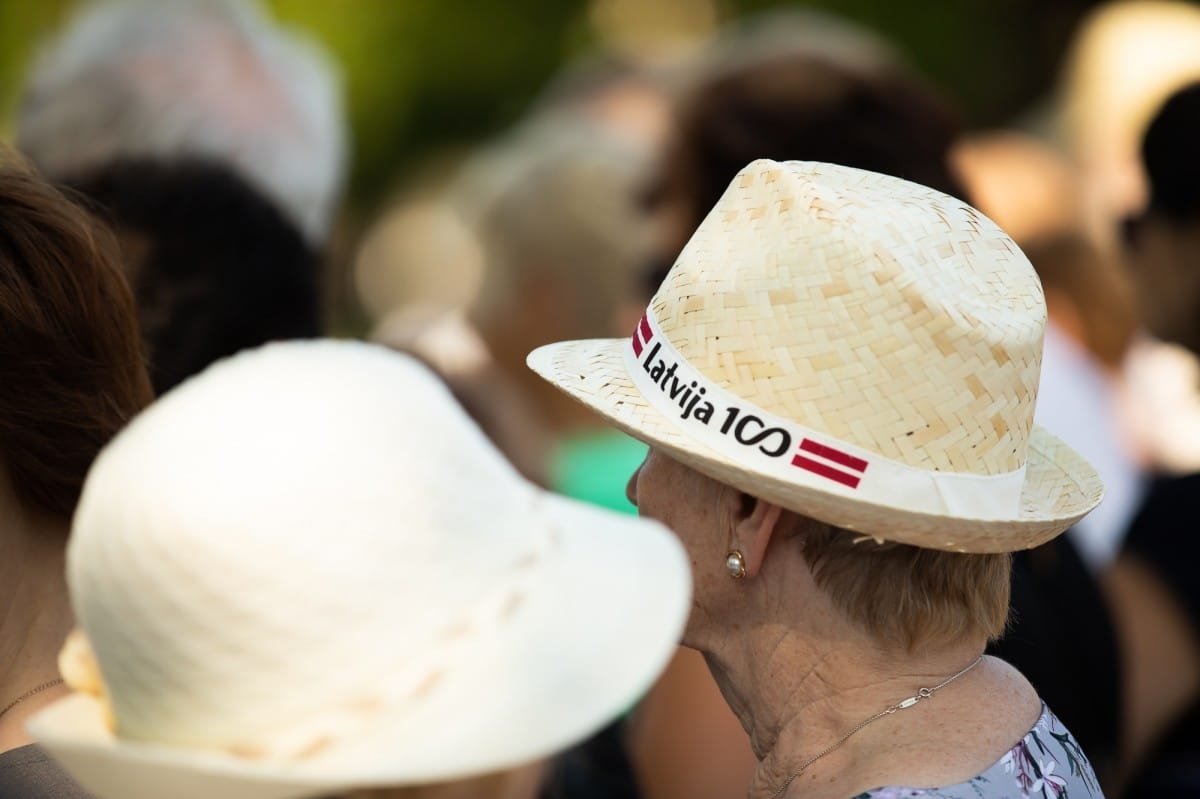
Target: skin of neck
<point x="35" y="612"/>
<point x="800" y="674"/>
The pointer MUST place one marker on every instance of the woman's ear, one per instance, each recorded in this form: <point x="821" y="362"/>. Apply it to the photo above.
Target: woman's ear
<point x="753" y="531"/>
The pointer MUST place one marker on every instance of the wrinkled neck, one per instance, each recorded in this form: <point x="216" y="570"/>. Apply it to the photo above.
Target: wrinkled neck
<point x="799" y="690"/>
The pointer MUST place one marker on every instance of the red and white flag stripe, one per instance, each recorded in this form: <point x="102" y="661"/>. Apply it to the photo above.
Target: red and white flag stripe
<point x="833" y="464"/>
<point x="642" y="335"/>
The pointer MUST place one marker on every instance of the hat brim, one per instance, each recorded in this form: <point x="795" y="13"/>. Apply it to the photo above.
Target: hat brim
<point x="1060" y="486"/>
<point x="582" y="648"/>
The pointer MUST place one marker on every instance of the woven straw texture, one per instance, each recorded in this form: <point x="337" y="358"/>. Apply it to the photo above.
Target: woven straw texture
<point x="883" y="313"/>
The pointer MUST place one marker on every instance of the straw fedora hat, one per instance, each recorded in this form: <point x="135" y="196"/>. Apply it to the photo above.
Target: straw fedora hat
<point x="854" y="347"/>
<point x="305" y="570"/>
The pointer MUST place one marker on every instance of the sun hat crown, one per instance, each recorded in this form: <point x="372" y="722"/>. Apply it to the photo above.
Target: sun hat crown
<point x="279" y="465"/>
<point x="855" y="347"/>
<point x="885" y="314"/>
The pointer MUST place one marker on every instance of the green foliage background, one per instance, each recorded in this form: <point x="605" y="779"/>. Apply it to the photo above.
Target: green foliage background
<point x="422" y="75"/>
<point x="428" y="77"/>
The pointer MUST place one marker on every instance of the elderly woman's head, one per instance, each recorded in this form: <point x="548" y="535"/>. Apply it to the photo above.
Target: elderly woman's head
<point x="72" y="371"/>
<point x="903" y="597"/>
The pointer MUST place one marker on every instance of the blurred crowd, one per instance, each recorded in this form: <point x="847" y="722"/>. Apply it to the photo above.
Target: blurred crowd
<point x="198" y="155"/>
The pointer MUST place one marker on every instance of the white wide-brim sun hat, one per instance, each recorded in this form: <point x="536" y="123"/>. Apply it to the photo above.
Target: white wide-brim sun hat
<point x="305" y="570"/>
<point x="852" y="346"/>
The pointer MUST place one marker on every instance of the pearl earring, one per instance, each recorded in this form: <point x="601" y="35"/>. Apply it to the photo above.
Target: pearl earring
<point x="735" y="564"/>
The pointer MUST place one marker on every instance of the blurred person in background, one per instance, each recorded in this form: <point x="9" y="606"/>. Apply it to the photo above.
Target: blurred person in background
<point x="374" y="606"/>
<point x="213" y="141"/>
<point x="788" y="30"/>
<point x="1125" y="60"/>
<point x="1153" y="581"/>
<point x="165" y="79"/>
<point x="71" y="375"/>
<point x="619" y="93"/>
<point x="549" y="211"/>
<point x="536" y="233"/>
<point x="1122" y="60"/>
<point x="215" y="267"/>
<point x="416" y="270"/>
<point x="1034" y="192"/>
<point x="561" y="239"/>
<point x="784" y="81"/>
<point x="877" y="114"/>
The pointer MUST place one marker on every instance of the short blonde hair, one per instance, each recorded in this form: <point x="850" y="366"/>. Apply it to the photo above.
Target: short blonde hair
<point x="909" y="597"/>
<point x="555" y="200"/>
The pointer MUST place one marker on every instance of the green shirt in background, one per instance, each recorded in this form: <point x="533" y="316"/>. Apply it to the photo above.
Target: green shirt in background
<point x="595" y="468"/>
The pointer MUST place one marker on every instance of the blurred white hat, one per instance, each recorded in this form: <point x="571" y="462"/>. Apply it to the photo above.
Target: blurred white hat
<point x="306" y="570"/>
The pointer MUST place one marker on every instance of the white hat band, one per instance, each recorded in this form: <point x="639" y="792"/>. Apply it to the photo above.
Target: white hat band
<point x="760" y="440"/>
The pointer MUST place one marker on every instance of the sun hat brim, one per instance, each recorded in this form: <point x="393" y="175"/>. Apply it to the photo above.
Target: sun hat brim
<point x="580" y="650"/>
<point x="1060" y="485"/>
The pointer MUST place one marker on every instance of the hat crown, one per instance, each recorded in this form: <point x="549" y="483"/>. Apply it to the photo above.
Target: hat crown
<point x="883" y="313"/>
<point x="239" y="539"/>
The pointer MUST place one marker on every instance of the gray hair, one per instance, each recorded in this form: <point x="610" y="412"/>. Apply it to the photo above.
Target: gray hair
<point x="555" y="199"/>
<point x="200" y="78"/>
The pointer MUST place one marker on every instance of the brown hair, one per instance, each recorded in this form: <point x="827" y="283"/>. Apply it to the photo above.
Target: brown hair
<point x="886" y="118"/>
<point x="800" y="106"/>
<point x="906" y="596"/>
<point x="71" y="365"/>
<point x="1098" y="287"/>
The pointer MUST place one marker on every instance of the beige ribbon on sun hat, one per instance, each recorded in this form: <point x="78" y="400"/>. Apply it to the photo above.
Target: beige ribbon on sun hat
<point x="758" y="439"/>
<point x="398" y="691"/>
<point x="406" y="685"/>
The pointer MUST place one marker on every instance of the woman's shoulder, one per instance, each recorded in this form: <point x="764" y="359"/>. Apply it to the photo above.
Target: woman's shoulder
<point x="1047" y="761"/>
<point x="29" y="773"/>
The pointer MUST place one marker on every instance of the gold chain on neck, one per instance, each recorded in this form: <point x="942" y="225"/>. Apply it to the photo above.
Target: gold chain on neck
<point x="29" y="693"/>
<point x="903" y="704"/>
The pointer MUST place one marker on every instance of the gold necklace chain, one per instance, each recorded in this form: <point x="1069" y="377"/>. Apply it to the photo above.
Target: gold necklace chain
<point x="903" y="704"/>
<point x="29" y="693"/>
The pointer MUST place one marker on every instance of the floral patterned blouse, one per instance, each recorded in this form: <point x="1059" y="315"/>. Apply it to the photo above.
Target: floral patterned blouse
<point x="1045" y="764"/>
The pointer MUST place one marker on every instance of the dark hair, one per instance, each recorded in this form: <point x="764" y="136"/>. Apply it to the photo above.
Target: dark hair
<point x="1074" y="265"/>
<point x="72" y="371"/>
<point x="215" y="266"/>
<point x="802" y="107"/>
<point x="1169" y="155"/>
